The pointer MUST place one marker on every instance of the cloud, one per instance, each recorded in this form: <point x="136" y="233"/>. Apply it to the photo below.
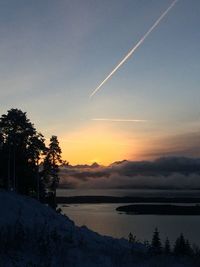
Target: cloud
<point x="118" y="120"/>
<point x="176" y="145"/>
<point x="163" y="173"/>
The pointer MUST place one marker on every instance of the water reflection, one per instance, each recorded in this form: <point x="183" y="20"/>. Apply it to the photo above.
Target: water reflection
<point x="103" y="219"/>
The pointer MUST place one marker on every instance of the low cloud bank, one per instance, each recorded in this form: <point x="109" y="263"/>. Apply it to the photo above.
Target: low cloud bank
<point x="163" y="173"/>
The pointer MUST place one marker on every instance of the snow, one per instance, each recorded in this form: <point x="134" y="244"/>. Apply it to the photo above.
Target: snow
<point x="62" y="242"/>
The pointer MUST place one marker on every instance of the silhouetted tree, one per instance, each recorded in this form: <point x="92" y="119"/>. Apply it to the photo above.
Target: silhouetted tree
<point x="188" y="248"/>
<point x="65" y="163"/>
<point x="180" y="246"/>
<point x="21" y="147"/>
<point x="167" y="248"/>
<point x="51" y="169"/>
<point x="156" y="243"/>
<point x="131" y="238"/>
<point x="2" y="163"/>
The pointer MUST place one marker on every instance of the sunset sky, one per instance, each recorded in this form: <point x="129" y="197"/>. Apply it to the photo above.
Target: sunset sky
<point x="53" y="54"/>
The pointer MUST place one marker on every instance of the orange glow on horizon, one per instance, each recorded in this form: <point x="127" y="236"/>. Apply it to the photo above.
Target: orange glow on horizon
<point x="96" y="144"/>
<point x="104" y="144"/>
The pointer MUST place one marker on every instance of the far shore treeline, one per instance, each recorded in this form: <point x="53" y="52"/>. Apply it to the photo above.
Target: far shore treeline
<point x="27" y="165"/>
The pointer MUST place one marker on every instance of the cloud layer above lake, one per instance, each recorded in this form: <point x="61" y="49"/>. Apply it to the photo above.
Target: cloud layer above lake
<point x="163" y="173"/>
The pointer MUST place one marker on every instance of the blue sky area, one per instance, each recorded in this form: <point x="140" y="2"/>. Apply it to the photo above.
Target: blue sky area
<point x="53" y="54"/>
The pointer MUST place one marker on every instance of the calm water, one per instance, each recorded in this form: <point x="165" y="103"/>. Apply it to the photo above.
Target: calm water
<point x="104" y="219"/>
<point x="128" y="192"/>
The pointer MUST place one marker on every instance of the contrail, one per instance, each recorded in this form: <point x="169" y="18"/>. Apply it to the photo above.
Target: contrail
<point x="118" y="120"/>
<point x="135" y="47"/>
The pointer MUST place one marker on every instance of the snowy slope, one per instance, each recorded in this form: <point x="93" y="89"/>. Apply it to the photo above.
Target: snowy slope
<point x="32" y="234"/>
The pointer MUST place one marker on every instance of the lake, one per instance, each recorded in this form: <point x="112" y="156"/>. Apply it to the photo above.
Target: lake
<point x="104" y="219"/>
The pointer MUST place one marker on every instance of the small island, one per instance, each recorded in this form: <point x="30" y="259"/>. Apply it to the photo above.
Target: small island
<point x="160" y="209"/>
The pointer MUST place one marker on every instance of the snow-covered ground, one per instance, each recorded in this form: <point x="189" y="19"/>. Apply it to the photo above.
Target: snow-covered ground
<point x="32" y="234"/>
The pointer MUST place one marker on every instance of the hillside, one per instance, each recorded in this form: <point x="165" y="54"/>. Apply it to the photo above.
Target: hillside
<point x="32" y="234"/>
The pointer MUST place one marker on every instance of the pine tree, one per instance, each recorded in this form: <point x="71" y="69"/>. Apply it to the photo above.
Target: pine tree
<point x="180" y="246"/>
<point x="51" y="169"/>
<point x="167" y="247"/>
<point x="156" y="243"/>
<point x="188" y="248"/>
<point x="21" y="147"/>
<point x="2" y="163"/>
<point x="130" y="238"/>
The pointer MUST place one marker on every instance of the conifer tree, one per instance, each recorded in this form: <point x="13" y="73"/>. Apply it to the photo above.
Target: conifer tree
<point x="167" y="247"/>
<point x="21" y="147"/>
<point x="130" y="238"/>
<point x="51" y="169"/>
<point x="188" y="248"/>
<point x="156" y="243"/>
<point x="180" y="246"/>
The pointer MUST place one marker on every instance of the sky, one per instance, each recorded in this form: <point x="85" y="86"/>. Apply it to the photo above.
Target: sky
<point x="53" y="54"/>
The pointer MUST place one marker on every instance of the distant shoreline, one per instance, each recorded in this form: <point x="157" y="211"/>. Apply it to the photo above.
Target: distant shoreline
<point x="152" y="209"/>
<point x="112" y="199"/>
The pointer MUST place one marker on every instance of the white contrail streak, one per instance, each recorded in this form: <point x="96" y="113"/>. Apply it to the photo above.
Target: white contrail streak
<point x="118" y="120"/>
<point x="135" y="47"/>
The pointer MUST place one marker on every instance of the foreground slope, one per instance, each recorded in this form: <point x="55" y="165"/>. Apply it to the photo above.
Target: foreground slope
<point x="32" y="234"/>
